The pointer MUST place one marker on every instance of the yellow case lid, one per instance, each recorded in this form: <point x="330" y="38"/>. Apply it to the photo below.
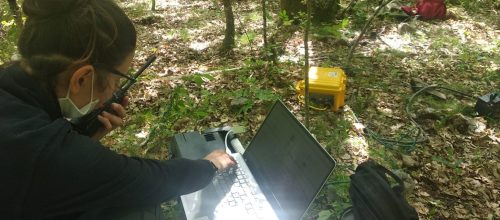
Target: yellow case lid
<point x="327" y="78"/>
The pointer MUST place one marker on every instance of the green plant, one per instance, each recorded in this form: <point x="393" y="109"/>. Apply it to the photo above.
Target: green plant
<point x="332" y="30"/>
<point x="254" y="16"/>
<point x="247" y="38"/>
<point x="478" y="6"/>
<point x="136" y="10"/>
<point x="361" y="102"/>
<point x="450" y="162"/>
<point x="387" y="157"/>
<point x="8" y="34"/>
<point x="184" y="34"/>
<point x="177" y="106"/>
<point x="334" y="197"/>
<point x="339" y="133"/>
<point x="249" y="94"/>
<point x="341" y="187"/>
<point x="286" y="21"/>
<point x="360" y="13"/>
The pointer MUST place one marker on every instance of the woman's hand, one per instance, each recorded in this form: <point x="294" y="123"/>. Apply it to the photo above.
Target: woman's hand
<point x="220" y="159"/>
<point x="111" y="121"/>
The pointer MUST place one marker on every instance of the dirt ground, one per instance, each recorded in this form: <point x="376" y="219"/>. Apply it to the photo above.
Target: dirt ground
<point x="453" y="174"/>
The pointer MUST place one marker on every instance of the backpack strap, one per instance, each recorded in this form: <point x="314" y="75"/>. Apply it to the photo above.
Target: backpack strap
<point x="401" y="185"/>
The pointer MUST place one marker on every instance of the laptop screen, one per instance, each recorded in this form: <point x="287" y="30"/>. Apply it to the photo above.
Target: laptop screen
<point x="288" y="163"/>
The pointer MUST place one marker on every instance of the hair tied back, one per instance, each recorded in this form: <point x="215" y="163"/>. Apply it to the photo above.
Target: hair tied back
<point x="46" y="9"/>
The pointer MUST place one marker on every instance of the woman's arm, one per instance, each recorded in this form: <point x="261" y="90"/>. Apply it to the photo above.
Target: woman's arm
<point x="83" y="175"/>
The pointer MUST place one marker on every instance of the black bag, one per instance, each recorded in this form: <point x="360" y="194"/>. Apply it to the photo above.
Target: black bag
<point x="373" y="197"/>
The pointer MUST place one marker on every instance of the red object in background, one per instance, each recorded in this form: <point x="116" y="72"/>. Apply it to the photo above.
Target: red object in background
<point x="427" y="9"/>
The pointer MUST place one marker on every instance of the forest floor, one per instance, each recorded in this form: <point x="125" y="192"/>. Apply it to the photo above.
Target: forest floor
<point x="453" y="174"/>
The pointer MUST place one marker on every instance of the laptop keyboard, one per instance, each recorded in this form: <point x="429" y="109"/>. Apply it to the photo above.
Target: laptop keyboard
<point x="236" y="190"/>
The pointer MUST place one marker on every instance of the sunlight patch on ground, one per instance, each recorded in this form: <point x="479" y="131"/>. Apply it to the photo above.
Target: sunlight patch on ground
<point x="142" y="134"/>
<point x="164" y="4"/>
<point x="411" y="37"/>
<point x="356" y="144"/>
<point x="294" y="49"/>
<point x="475" y="32"/>
<point x="395" y="42"/>
<point x="199" y="46"/>
<point x="287" y="58"/>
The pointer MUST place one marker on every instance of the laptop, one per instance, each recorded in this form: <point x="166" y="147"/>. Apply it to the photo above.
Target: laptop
<point x="282" y="170"/>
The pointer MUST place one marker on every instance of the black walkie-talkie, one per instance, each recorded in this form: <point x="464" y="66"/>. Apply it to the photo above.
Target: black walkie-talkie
<point x="89" y="124"/>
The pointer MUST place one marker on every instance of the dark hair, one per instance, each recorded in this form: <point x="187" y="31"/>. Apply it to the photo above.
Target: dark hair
<point x="61" y="34"/>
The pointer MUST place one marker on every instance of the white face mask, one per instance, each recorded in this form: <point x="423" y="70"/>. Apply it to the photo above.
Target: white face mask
<point x="69" y="109"/>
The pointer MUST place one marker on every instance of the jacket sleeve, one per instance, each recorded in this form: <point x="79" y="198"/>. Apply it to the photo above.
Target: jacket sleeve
<point x="81" y="174"/>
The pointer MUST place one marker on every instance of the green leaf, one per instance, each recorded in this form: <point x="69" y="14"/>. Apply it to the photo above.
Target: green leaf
<point x="198" y="80"/>
<point x="248" y="38"/>
<point x="265" y="95"/>
<point x="324" y="215"/>
<point x="237" y="129"/>
<point x="344" y="23"/>
<point x="284" y="17"/>
<point x="208" y="76"/>
<point x="8" y="23"/>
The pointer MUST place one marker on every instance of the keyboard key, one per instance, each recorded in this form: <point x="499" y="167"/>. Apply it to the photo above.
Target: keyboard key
<point x="233" y="187"/>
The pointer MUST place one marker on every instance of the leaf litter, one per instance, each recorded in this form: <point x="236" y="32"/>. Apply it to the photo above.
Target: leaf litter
<point x="454" y="175"/>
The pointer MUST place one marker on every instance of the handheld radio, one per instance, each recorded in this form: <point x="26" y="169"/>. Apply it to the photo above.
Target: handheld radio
<point x="89" y="124"/>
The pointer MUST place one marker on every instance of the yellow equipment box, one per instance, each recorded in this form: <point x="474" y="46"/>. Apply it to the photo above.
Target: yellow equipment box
<point x="325" y="84"/>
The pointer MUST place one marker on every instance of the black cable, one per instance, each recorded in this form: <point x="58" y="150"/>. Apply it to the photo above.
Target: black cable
<point x="410" y="145"/>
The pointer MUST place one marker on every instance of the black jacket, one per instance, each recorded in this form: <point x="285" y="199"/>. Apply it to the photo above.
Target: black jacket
<point x="47" y="169"/>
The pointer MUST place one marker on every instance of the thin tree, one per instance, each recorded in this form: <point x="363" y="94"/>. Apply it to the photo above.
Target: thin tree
<point x="306" y="66"/>
<point x="382" y="4"/>
<point x="264" y="24"/>
<point x="228" y="42"/>
<point x="349" y="7"/>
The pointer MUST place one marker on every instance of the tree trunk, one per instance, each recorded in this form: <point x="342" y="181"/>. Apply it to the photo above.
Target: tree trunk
<point x="153" y="5"/>
<point x="14" y="9"/>
<point x="324" y="10"/>
<point x="321" y="10"/>
<point x="228" y="42"/>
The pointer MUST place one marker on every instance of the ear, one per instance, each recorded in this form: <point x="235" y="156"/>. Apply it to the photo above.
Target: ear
<point x="81" y="78"/>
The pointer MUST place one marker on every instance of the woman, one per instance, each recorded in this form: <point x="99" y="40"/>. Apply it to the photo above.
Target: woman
<point x="73" y="55"/>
